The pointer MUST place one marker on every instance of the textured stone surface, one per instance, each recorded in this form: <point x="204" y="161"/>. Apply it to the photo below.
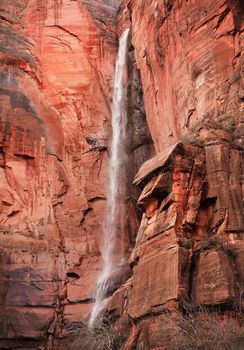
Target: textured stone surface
<point x="213" y="282"/>
<point x="57" y="67"/>
<point x="185" y="254"/>
<point x="190" y="56"/>
<point x="155" y="282"/>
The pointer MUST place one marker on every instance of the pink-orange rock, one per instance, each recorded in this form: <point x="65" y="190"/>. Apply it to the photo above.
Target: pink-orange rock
<point x="25" y="322"/>
<point x="190" y="57"/>
<point x="76" y="312"/>
<point x="185" y="252"/>
<point x="118" y="304"/>
<point x="213" y="282"/>
<point x="57" y="68"/>
<point x="155" y="282"/>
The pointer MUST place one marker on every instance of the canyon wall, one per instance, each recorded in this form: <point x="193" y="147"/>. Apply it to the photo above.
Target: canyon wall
<point x="186" y="74"/>
<point x="188" y="255"/>
<point x="57" y="69"/>
<point x="189" y="54"/>
<point x="56" y="84"/>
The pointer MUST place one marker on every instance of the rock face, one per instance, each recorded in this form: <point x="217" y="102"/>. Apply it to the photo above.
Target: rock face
<point x="186" y="84"/>
<point x="57" y="67"/>
<point x="189" y="245"/>
<point x="186" y="253"/>
<point x="189" y="55"/>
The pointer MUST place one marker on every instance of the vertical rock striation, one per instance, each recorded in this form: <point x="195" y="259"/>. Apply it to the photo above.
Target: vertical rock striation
<point x="57" y="68"/>
<point x="189" y="55"/>
<point x="189" y="246"/>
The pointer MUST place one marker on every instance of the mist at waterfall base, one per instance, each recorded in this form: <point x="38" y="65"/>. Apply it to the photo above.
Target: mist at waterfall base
<point x="115" y="194"/>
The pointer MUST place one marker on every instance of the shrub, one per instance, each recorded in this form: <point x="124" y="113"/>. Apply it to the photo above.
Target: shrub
<point x="101" y="338"/>
<point x="205" y="330"/>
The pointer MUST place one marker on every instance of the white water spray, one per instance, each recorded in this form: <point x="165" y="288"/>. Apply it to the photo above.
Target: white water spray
<point x="116" y="170"/>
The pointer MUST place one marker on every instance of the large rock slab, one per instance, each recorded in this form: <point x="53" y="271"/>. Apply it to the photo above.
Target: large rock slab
<point x="155" y="282"/>
<point x="213" y="281"/>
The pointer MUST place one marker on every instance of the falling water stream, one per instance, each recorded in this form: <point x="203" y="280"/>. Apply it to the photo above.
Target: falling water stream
<point x="116" y="171"/>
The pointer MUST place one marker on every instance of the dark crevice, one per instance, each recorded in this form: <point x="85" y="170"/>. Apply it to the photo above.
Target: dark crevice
<point x="95" y="199"/>
<point x="85" y="212"/>
<point x="72" y="275"/>
<point x="25" y="156"/>
<point x="82" y="302"/>
<point x="221" y="18"/>
<point x="65" y="30"/>
<point x="56" y="156"/>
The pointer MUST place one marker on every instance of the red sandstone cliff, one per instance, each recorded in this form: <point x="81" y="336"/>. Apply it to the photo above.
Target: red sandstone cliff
<point x="57" y="66"/>
<point x="188" y="256"/>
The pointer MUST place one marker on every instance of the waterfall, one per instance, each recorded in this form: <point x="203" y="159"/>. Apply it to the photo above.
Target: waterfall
<point x="115" y="194"/>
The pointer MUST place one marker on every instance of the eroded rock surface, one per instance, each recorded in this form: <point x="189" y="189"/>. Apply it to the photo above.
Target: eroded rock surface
<point x="57" y="68"/>
<point x="190" y="241"/>
<point x="190" y="56"/>
<point x="187" y="249"/>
